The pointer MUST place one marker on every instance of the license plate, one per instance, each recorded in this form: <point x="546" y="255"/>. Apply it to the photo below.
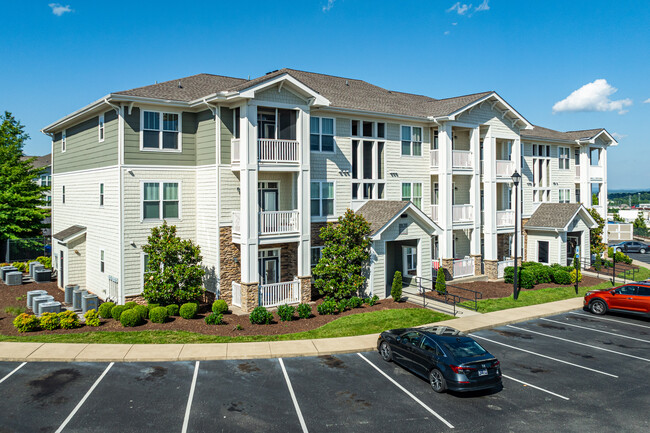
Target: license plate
<point x="482" y="372"/>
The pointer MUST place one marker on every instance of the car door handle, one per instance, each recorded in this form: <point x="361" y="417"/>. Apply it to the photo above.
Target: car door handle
<point x="630" y="298"/>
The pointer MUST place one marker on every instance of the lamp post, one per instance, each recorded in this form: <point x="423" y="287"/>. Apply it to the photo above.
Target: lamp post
<point x="515" y="180"/>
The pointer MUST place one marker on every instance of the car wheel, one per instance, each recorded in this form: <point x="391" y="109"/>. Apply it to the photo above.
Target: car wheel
<point x="437" y="380"/>
<point x="598" y="306"/>
<point x="385" y="352"/>
<point x="619" y="250"/>
<point x="642" y="250"/>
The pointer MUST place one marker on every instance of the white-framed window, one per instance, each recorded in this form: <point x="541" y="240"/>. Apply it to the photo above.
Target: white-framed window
<point x="410" y="260"/>
<point x="565" y="195"/>
<point x="322" y="198"/>
<point x="368" y="179"/>
<point x="160" y="131"/>
<point x="46" y="180"/>
<point x="316" y="254"/>
<point x="63" y="194"/>
<point x="412" y="191"/>
<point x="48" y="200"/>
<point x="411" y="141"/>
<point x="64" y="141"/>
<point x="101" y="194"/>
<point x="101" y="261"/>
<point x="563" y="158"/>
<point x="321" y="135"/>
<point x="542" y="251"/>
<point x="161" y="200"/>
<point x="100" y="128"/>
<point x="366" y="128"/>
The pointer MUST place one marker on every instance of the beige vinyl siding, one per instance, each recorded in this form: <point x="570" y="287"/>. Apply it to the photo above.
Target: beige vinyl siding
<point x="206" y="223"/>
<point x="554" y="240"/>
<point x="462" y="185"/>
<point x="83" y="149"/>
<point x="284" y="96"/>
<point x="227" y="131"/>
<point x="133" y="154"/>
<point x="230" y="197"/>
<point x="206" y="139"/>
<point x="483" y="114"/>
<point x="462" y="244"/>
<point x="461" y="139"/>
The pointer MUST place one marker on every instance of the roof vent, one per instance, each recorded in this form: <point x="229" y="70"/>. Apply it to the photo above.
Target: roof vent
<point x="276" y="70"/>
<point x="179" y="84"/>
<point x="347" y="83"/>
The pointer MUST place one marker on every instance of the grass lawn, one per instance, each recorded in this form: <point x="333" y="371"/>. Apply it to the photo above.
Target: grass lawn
<point x="543" y="296"/>
<point x="355" y="324"/>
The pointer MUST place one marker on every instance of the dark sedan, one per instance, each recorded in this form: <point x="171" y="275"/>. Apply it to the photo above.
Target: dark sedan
<point x="631" y="247"/>
<point x="445" y="356"/>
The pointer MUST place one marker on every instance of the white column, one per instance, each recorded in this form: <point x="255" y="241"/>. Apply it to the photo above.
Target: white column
<point x="585" y="185"/>
<point x="490" y="196"/>
<point x="445" y="191"/>
<point x="248" y="194"/>
<point x="303" y="185"/>
<point x="475" y="190"/>
<point x="516" y="157"/>
<point x="602" y="200"/>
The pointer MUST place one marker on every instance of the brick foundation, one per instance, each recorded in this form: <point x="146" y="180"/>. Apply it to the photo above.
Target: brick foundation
<point x="478" y="268"/>
<point x="491" y="269"/>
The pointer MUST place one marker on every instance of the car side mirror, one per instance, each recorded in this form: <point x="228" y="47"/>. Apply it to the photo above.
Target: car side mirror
<point x="614" y="292"/>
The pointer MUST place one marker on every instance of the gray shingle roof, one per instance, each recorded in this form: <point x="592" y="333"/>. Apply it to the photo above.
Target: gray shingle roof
<point x="541" y="132"/>
<point x="553" y="215"/>
<point x="70" y="231"/>
<point x="191" y="88"/>
<point x="380" y="212"/>
<point x="40" y="161"/>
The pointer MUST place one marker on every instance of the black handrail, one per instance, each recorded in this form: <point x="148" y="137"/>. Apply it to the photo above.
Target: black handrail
<point x="456" y="299"/>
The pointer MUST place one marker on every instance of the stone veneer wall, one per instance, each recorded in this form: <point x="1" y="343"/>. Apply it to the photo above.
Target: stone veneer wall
<point x="503" y="245"/>
<point x="288" y="260"/>
<point x="524" y="247"/>
<point x="478" y="264"/>
<point x="315" y="234"/>
<point x="491" y="269"/>
<point x="230" y="268"/>
<point x="448" y="267"/>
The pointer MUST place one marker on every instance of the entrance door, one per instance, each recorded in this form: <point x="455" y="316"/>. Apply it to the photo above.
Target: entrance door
<point x="269" y="266"/>
<point x="410" y="260"/>
<point x="61" y="281"/>
<point x="572" y="242"/>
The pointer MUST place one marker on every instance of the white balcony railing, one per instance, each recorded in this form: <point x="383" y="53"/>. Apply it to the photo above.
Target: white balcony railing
<point x="505" y="218"/>
<point x="505" y="168"/>
<point x="234" y="150"/>
<point x="434" y="212"/>
<point x="462" y="159"/>
<point x="502" y="265"/>
<point x="236" y="221"/>
<point x="462" y="212"/>
<point x="434" y="158"/>
<point x="596" y="172"/>
<point x="275" y="222"/>
<point x="269" y="150"/>
<point x="577" y="172"/>
<point x="464" y="267"/>
<point x="236" y="294"/>
<point x="272" y="295"/>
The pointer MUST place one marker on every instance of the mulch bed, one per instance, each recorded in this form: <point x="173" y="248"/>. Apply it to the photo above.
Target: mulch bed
<point x="8" y="296"/>
<point x="499" y="289"/>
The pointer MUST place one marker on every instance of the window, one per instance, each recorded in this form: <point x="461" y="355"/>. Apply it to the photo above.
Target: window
<point x="542" y="251"/>
<point x="565" y="195"/>
<point x="63" y="194"/>
<point x="430" y="346"/>
<point x="410" y="260"/>
<point x="63" y="140"/>
<point x="541" y="173"/>
<point x="413" y="192"/>
<point x="367" y="169"/>
<point x="322" y="198"/>
<point x="101" y="194"/>
<point x="412" y="337"/>
<point x="411" y="141"/>
<point x="316" y="254"/>
<point x="577" y="156"/>
<point x="101" y="261"/>
<point x="48" y="200"/>
<point x="563" y="158"/>
<point x="46" y="180"/>
<point x="160" y="130"/>
<point x="321" y="134"/>
<point x="577" y="194"/>
<point x="156" y="207"/>
<point x="100" y="128"/>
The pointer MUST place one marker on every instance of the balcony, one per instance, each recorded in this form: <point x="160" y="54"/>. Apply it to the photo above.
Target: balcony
<point x="271" y="222"/>
<point x="434" y="158"/>
<point x="505" y="168"/>
<point x="269" y="151"/>
<point x="596" y="172"/>
<point x="461" y="159"/>
<point x="577" y="172"/>
<point x="462" y="213"/>
<point x="505" y="218"/>
<point x="434" y="212"/>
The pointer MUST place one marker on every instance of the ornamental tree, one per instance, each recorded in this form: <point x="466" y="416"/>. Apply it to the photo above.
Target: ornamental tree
<point x="342" y="268"/>
<point x="173" y="273"/>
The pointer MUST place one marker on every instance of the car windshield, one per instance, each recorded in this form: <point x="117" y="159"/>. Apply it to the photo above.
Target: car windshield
<point x="465" y="348"/>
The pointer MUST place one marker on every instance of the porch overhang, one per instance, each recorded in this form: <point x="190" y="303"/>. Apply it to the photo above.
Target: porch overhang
<point x="381" y="214"/>
<point x="69" y="234"/>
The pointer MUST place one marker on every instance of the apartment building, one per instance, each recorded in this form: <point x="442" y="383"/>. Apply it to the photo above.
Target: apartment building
<point x="252" y="169"/>
<point x="45" y="179"/>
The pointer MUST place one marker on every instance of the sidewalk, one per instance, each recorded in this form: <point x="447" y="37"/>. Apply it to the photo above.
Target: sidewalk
<point x="28" y="352"/>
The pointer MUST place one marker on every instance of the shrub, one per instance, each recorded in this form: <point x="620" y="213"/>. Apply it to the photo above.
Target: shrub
<point x="92" y="318"/>
<point x="158" y="315"/>
<point x="105" y="310"/>
<point x="573" y="276"/>
<point x="560" y="276"/>
<point x="172" y="309"/>
<point x="260" y="316"/>
<point x="49" y="321"/>
<point x="329" y="306"/>
<point x="45" y="261"/>
<point x="152" y="306"/>
<point x="598" y="263"/>
<point x="117" y="311"/>
<point x="372" y="301"/>
<point x="526" y="279"/>
<point x="142" y="310"/>
<point x="441" y="284"/>
<point x="21" y="266"/>
<point x="623" y="258"/>
<point x="214" y="319"/>
<point x="355" y="302"/>
<point x="219" y="306"/>
<point x="286" y="312"/>
<point x="130" y="318"/>
<point x="543" y="274"/>
<point x="188" y="310"/>
<point x="304" y="311"/>
<point x="130" y="304"/>
<point x="396" y="288"/>
<point x="69" y="320"/>
<point x="26" y="322"/>
<point x="15" y="311"/>
<point x="342" y="305"/>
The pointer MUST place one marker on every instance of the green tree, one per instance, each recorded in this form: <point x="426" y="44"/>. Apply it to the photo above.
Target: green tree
<point x="594" y="199"/>
<point x="173" y="273"/>
<point x="441" y="284"/>
<point x="341" y="271"/>
<point x="617" y="217"/>
<point x="639" y="222"/>
<point x="21" y="198"/>
<point x="596" y="234"/>
<point x="396" y="288"/>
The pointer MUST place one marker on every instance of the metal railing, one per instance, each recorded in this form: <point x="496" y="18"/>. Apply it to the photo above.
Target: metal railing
<point x="236" y="294"/>
<point x="505" y="168"/>
<point x="461" y="159"/>
<point x="425" y="284"/>
<point x="272" y="295"/>
<point x="464" y="267"/>
<point x="462" y="212"/>
<point x="270" y="150"/>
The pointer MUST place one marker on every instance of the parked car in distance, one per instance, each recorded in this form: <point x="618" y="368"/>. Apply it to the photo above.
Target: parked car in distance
<point x="631" y="297"/>
<point x="631" y="247"/>
<point x="449" y="359"/>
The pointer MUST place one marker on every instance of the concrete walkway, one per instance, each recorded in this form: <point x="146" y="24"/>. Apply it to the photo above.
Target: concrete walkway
<point x="28" y="352"/>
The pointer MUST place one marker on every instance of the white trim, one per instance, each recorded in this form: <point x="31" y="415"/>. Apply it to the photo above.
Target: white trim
<point x="499" y="99"/>
<point x="102" y="261"/>
<point x="318" y="98"/>
<point x="101" y="128"/>
<point x="160" y="200"/>
<point x="320" y="217"/>
<point x="320" y="135"/>
<point x="410" y="198"/>
<point x="411" y="141"/>
<point x="89" y="170"/>
<point x="418" y="215"/>
<point x="161" y="130"/>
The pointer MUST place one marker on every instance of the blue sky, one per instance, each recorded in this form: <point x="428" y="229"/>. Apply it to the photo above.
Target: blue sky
<point x="58" y="57"/>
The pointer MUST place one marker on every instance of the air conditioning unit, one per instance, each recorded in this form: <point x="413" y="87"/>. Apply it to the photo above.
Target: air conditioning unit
<point x="32" y="294"/>
<point x="50" y="307"/>
<point x="14" y="278"/>
<point x="69" y="289"/>
<point x="32" y="265"/>
<point x="37" y="301"/>
<point x="89" y="302"/>
<point x="5" y="270"/>
<point x="42" y="275"/>
<point x="76" y="298"/>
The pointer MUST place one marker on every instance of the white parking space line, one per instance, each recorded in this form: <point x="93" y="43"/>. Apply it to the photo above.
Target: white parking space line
<point x="536" y="387"/>
<point x="186" y="420"/>
<point x="596" y="330"/>
<point x="579" y="343"/>
<point x="12" y="372"/>
<point x="83" y="400"/>
<point x="593" y="316"/>
<point x="431" y="411"/>
<point x="544" y="356"/>
<point x="293" y="397"/>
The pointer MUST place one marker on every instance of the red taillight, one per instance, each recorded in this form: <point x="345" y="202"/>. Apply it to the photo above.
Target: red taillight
<point x="496" y="364"/>
<point x="461" y="370"/>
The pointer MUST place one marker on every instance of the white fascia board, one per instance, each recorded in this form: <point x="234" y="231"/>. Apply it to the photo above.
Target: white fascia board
<point x="495" y="95"/>
<point x="318" y="98"/>
<point x="421" y="216"/>
<point x="51" y="128"/>
<point x="352" y="111"/>
<point x="612" y="140"/>
<point x="72" y="237"/>
<point x="591" y="222"/>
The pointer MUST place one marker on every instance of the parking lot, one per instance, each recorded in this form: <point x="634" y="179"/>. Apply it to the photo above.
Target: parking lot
<point x="571" y="372"/>
<point x="645" y="258"/>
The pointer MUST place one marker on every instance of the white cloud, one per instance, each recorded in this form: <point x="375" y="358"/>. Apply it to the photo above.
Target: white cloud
<point x="618" y="136"/>
<point x="647" y="101"/>
<point x="454" y="24"/>
<point x="460" y="8"/>
<point x="593" y="97"/>
<point x="58" y="9"/>
<point x="447" y="32"/>
<point x="329" y="5"/>
<point x="483" y="6"/>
